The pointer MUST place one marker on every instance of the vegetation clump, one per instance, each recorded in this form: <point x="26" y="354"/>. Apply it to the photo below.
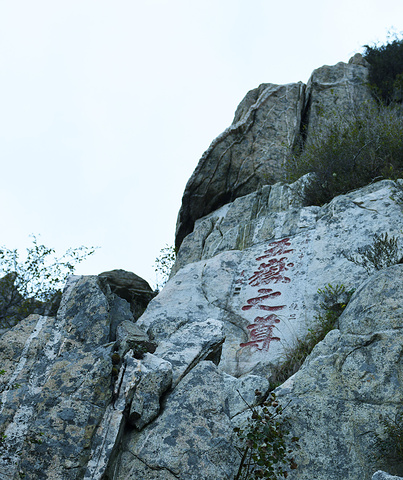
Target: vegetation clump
<point x="386" y="70"/>
<point x="33" y="285"/>
<point x="349" y="152"/>
<point x="268" y="448"/>
<point x="163" y="265"/>
<point x="388" y="446"/>
<point x="333" y="301"/>
<point x="382" y="253"/>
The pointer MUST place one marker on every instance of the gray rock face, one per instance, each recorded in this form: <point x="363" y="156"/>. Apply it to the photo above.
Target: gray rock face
<point x="266" y="293"/>
<point x="248" y="155"/>
<point x="190" y="440"/>
<point x="58" y="387"/>
<point x="90" y="394"/>
<point x="340" y="88"/>
<point x="268" y="121"/>
<point x="348" y="382"/>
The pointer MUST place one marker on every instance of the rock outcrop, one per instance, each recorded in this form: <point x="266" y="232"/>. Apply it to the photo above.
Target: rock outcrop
<point x="268" y="121"/>
<point x="102" y="392"/>
<point x="63" y="393"/>
<point x="350" y="380"/>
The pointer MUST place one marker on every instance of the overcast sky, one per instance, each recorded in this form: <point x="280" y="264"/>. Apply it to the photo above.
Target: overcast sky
<point x="107" y="106"/>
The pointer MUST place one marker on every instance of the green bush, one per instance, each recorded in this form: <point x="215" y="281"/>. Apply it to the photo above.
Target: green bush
<point x="388" y="446"/>
<point x="386" y="70"/>
<point x="268" y="448"/>
<point x="350" y="152"/>
<point x="382" y="253"/>
<point x="163" y="265"/>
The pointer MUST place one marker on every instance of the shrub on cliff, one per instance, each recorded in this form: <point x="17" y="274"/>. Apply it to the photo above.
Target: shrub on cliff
<point x="163" y="265"/>
<point x="350" y="151"/>
<point x="386" y="70"/>
<point x="34" y="285"/>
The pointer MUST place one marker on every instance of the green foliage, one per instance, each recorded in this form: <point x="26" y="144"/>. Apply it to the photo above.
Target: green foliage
<point x="382" y="253"/>
<point x="389" y="445"/>
<point x="266" y="452"/>
<point x="163" y="265"/>
<point x="33" y="285"/>
<point x="386" y="70"/>
<point x="350" y="151"/>
<point x="333" y="300"/>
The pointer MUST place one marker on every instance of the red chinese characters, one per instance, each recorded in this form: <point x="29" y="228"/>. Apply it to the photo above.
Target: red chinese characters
<point x="270" y="271"/>
<point x="261" y="332"/>
<point x="265" y="294"/>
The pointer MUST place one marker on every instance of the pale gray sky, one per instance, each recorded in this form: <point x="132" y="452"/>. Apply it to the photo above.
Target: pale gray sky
<point x="107" y="106"/>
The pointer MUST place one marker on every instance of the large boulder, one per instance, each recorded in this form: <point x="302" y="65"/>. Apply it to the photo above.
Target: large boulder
<point x="131" y="288"/>
<point x="336" y="89"/>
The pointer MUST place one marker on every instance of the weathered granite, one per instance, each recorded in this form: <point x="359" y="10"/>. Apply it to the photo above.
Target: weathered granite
<point x="138" y="388"/>
<point x="268" y="122"/>
<point x="338" y="88"/>
<point x="91" y="394"/>
<point x="266" y="293"/>
<point x="190" y="440"/>
<point x="56" y="385"/>
<point x="349" y="381"/>
<point x="246" y="156"/>
<point x="64" y="389"/>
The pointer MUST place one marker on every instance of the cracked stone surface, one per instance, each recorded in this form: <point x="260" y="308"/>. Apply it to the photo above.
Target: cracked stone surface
<point x="266" y="294"/>
<point x="60" y="408"/>
<point x="268" y="121"/>
<point x="56" y="385"/>
<point x="79" y="398"/>
<point x="190" y="440"/>
<point x="246" y="156"/>
<point x="348" y="382"/>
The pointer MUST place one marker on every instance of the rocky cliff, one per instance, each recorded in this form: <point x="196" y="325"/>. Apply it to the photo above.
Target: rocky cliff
<point x="95" y="393"/>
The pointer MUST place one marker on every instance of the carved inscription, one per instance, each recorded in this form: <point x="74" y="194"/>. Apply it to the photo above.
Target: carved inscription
<point x="273" y="268"/>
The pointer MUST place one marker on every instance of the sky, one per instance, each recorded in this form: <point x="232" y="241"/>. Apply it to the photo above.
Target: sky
<point x="107" y="106"/>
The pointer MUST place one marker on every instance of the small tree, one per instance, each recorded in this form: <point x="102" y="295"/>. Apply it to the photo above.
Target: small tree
<point x="163" y="265"/>
<point x="267" y="446"/>
<point x="33" y="285"/>
<point x="386" y="70"/>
